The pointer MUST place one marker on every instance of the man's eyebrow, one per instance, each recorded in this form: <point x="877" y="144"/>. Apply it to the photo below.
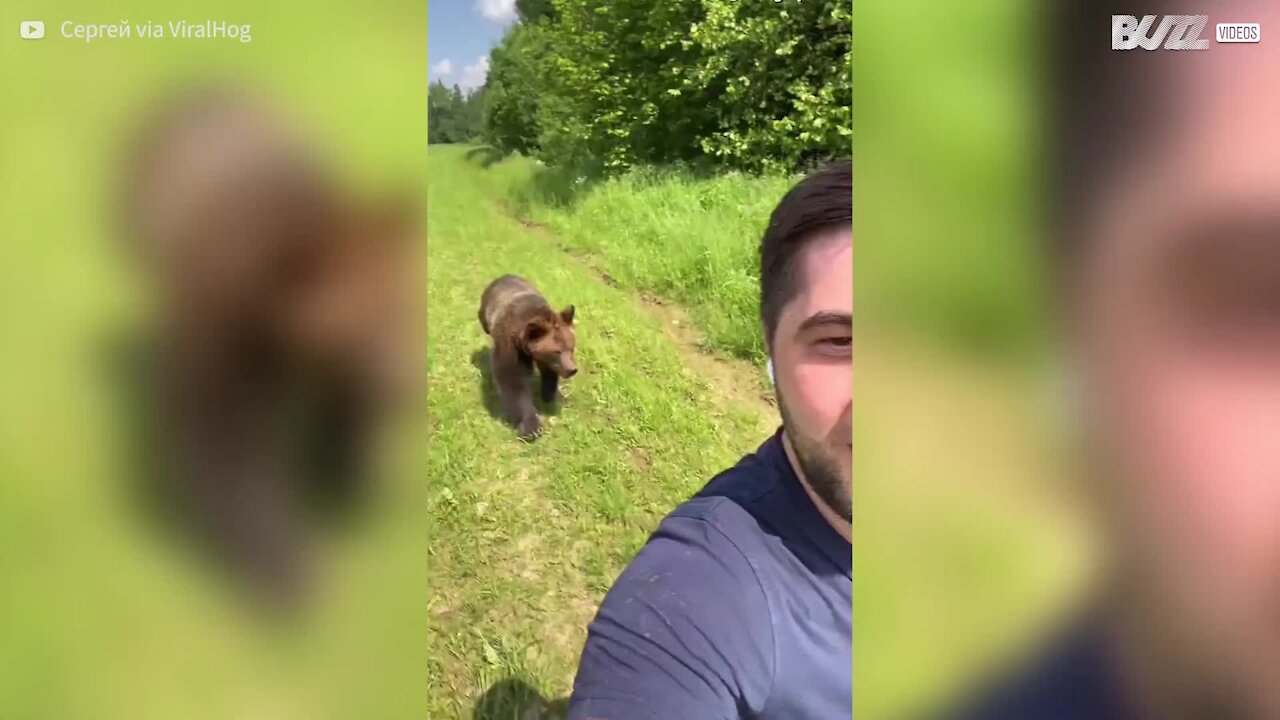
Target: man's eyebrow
<point x="827" y="317"/>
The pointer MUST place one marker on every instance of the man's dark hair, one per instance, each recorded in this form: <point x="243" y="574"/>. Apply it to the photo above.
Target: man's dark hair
<point x="1103" y="104"/>
<point x="821" y="200"/>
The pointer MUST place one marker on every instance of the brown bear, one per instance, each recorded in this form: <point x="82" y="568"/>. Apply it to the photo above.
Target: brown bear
<point x="286" y="322"/>
<point x="526" y="332"/>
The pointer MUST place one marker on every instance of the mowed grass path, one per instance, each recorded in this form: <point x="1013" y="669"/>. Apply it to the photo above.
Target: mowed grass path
<point x="526" y="538"/>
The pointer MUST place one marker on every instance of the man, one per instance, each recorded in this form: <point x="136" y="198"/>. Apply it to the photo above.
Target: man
<point x="740" y="604"/>
<point x="1170" y="288"/>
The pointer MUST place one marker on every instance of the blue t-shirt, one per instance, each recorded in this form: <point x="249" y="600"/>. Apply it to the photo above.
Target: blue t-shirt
<point x="1075" y="678"/>
<point x="739" y="606"/>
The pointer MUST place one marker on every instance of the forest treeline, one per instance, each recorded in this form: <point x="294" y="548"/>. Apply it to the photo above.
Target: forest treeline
<point x="751" y="85"/>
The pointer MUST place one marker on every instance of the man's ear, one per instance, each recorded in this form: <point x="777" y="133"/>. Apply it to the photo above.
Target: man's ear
<point x="768" y="354"/>
<point x="567" y="315"/>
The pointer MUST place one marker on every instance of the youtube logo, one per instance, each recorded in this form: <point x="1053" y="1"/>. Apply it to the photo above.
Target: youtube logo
<point x="31" y="29"/>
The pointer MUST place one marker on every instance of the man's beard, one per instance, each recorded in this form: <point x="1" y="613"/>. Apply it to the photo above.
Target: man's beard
<point x="820" y="470"/>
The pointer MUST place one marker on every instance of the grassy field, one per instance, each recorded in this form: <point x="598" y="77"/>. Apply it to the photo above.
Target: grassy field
<point x="469" y="594"/>
<point x="104" y="615"/>
<point x="526" y="538"/>
<point x="968" y="544"/>
<point x="688" y="239"/>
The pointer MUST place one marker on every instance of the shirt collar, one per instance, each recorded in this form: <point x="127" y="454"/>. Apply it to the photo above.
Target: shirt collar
<point x="811" y="521"/>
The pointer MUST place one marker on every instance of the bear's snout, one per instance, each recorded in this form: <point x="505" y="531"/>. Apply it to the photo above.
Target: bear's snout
<point x="567" y="367"/>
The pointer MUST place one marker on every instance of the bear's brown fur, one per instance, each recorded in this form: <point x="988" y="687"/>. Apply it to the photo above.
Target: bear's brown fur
<point x="286" y="313"/>
<point x="526" y="333"/>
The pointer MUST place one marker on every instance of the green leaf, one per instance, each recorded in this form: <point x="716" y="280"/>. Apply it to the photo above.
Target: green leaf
<point x="491" y="657"/>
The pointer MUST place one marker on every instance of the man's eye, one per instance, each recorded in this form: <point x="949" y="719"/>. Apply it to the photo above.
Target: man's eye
<point x="841" y="342"/>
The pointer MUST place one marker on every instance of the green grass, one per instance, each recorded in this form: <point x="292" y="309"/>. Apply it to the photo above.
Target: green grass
<point x="964" y="547"/>
<point x="526" y="538"/>
<point x="689" y="239"/>
<point x="104" y="616"/>
<point x="469" y="594"/>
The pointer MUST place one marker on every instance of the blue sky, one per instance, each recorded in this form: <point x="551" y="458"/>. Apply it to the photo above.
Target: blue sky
<point x="460" y="34"/>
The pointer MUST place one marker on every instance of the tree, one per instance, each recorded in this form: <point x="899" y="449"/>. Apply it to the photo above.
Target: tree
<point x="748" y="85"/>
<point x="515" y="87"/>
<point x="453" y="117"/>
<point x="439" y="112"/>
<point x="531" y="11"/>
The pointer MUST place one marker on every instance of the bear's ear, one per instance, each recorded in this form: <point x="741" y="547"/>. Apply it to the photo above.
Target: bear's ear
<point x="567" y="315"/>
<point x="533" y="331"/>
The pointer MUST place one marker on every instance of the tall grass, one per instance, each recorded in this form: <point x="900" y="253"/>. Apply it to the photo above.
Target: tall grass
<point x="683" y="237"/>
<point x="525" y="538"/>
<point x="929" y="262"/>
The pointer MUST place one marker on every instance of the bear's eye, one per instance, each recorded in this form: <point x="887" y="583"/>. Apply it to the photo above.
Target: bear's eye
<point x="534" y="331"/>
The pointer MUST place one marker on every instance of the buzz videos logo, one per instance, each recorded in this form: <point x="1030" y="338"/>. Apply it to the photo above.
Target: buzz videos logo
<point x="1175" y="32"/>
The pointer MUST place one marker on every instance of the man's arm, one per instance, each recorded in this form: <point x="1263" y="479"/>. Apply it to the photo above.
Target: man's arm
<point x="684" y="633"/>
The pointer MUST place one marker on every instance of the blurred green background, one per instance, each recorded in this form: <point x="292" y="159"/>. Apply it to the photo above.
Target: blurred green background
<point x="100" y="614"/>
<point x="969" y="541"/>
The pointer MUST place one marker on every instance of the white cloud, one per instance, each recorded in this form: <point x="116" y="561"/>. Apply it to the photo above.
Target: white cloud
<point x="442" y="69"/>
<point x="474" y="75"/>
<point x="500" y="11"/>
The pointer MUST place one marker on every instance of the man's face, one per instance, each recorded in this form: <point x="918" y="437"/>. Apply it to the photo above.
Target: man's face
<point x="812" y="352"/>
<point x="1177" y="310"/>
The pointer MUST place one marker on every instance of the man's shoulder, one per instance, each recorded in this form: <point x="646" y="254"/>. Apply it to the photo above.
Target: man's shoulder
<point x="715" y="542"/>
<point x="1070" y="679"/>
<point x="737" y="501"/>
<point x="686" y="630"/>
